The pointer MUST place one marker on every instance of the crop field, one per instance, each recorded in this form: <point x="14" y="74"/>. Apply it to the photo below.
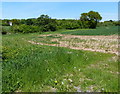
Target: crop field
<point x="66" y="61"/>
<point x="108" y="30"/>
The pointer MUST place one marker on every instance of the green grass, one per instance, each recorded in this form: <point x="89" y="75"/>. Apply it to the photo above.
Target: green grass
<point x="54" y="36"/>
<point x="36" y="68"/>
<point x="45" y="39"/>
<point x="98" y="31"/>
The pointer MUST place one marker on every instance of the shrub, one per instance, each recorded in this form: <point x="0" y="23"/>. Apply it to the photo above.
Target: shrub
<point x="16" y="29"/>
<point x="49" y="27"/>
<point x="5" y="24"/>
<point x="59" y="27"/>
<point x="52" y="27"/>
<point x="45" y="28"/>
<point x="107" y="23"/>
<point x="85" y="24"/>
<point x="116" y="23"/>
<point x="71" y="25"/>
<point x="25" y="28"/>
<point x="5" y="29"/>
<point x="92" y="24"/>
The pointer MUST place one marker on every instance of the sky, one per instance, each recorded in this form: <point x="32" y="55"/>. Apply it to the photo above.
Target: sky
<point x="58" y="10"/>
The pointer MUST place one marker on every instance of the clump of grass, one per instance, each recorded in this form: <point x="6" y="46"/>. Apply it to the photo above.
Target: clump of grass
<point x="53" y="36"/>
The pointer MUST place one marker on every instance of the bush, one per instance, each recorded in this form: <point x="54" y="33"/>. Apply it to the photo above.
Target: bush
<point x="45" y="28"/>
<point x="5" y="29"/>
<point x="92" y="24"/>
<point x="4" y="32"/>
<point x="59" y="27"/>
<point x="107" y="23"/>
<point x="25" y="28"/>
<point x="5" y="24"/>
<point x="71" y="25"/>
<point x="52" y="27"/>
<point x="49" y="27"/>
<point x="16" y="29"/>
<point x="116" y="23"/>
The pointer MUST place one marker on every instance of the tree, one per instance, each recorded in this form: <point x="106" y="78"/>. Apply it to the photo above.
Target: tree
<point x="43" y="20"/>
<point x="22" y="21"/>
<point x="92" y="17"/>
<point x="5" y="22"/>
<point x="46" y="23"/>
<point x="29" y="22"/>
<point x="84" y="17"/>
<point x="15" y="21"/>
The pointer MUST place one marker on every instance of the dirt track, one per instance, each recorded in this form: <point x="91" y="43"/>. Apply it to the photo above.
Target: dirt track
<point x="105" y="44"/>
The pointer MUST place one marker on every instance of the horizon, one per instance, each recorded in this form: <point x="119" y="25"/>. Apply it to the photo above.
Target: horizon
<point x="58" y="10"/>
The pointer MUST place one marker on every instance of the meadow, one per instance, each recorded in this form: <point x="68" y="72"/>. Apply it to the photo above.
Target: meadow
<point x="103" y="30"/>
<point x="41" y="66"/>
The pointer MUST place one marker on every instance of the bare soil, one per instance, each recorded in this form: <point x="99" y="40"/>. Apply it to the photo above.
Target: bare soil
<point x="105" y="44"/>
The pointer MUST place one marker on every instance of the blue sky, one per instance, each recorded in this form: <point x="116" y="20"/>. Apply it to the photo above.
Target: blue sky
<point x="70" y="10"/>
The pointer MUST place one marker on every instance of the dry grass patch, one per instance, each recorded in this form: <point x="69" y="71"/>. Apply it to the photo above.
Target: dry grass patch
<point x="105" y="44"/>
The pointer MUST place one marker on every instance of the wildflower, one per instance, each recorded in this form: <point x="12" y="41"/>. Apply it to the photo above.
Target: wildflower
<point x="74" y="67"/>
<point x="69" y="52"/>
<point x="70" y="80"/>
<point x="62" y="83"/>
<point x="47" y="69"/>
<point x="55" y="82"/>
<point x="102" y="89"/>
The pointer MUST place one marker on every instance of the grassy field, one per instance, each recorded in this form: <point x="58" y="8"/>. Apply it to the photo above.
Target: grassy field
<point x="109" y="30"/>
<point x="29" y="67"/>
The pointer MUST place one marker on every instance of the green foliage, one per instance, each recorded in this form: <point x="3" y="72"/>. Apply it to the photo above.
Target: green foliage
<point x="68" y="24"/>
<point x="4" y="32"/>
<point x="5" y="22"/>
<point x="43" y="20"/>
<point x="72" y="25"/>
<point x="52" y="26"/>
<point x="15" y="21"/>
<point x="25" y="28"/>
<point x="90" y="19"/>
<point x="29" y="22"/>
<point x="16" y="29"/>
<point x="45" y="28"/>
<point x="94" y="16"/>
<point x="5" y="29"/>
<point x="46" y="23"/>
<point x="109" y="23"/>
<point x="22" y="21"/>
<point x="116" y="23"/>
<point x="85" y="24"/>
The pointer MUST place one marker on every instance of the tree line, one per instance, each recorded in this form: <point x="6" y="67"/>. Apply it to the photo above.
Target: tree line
<point x="44" y="23"/>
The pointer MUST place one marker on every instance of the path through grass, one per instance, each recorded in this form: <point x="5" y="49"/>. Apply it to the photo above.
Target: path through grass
<point x="38" y="68"/>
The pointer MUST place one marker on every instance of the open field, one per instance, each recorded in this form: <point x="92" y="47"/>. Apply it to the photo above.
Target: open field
<point x="108" y="30"/>
<point x="55" y="62"/>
